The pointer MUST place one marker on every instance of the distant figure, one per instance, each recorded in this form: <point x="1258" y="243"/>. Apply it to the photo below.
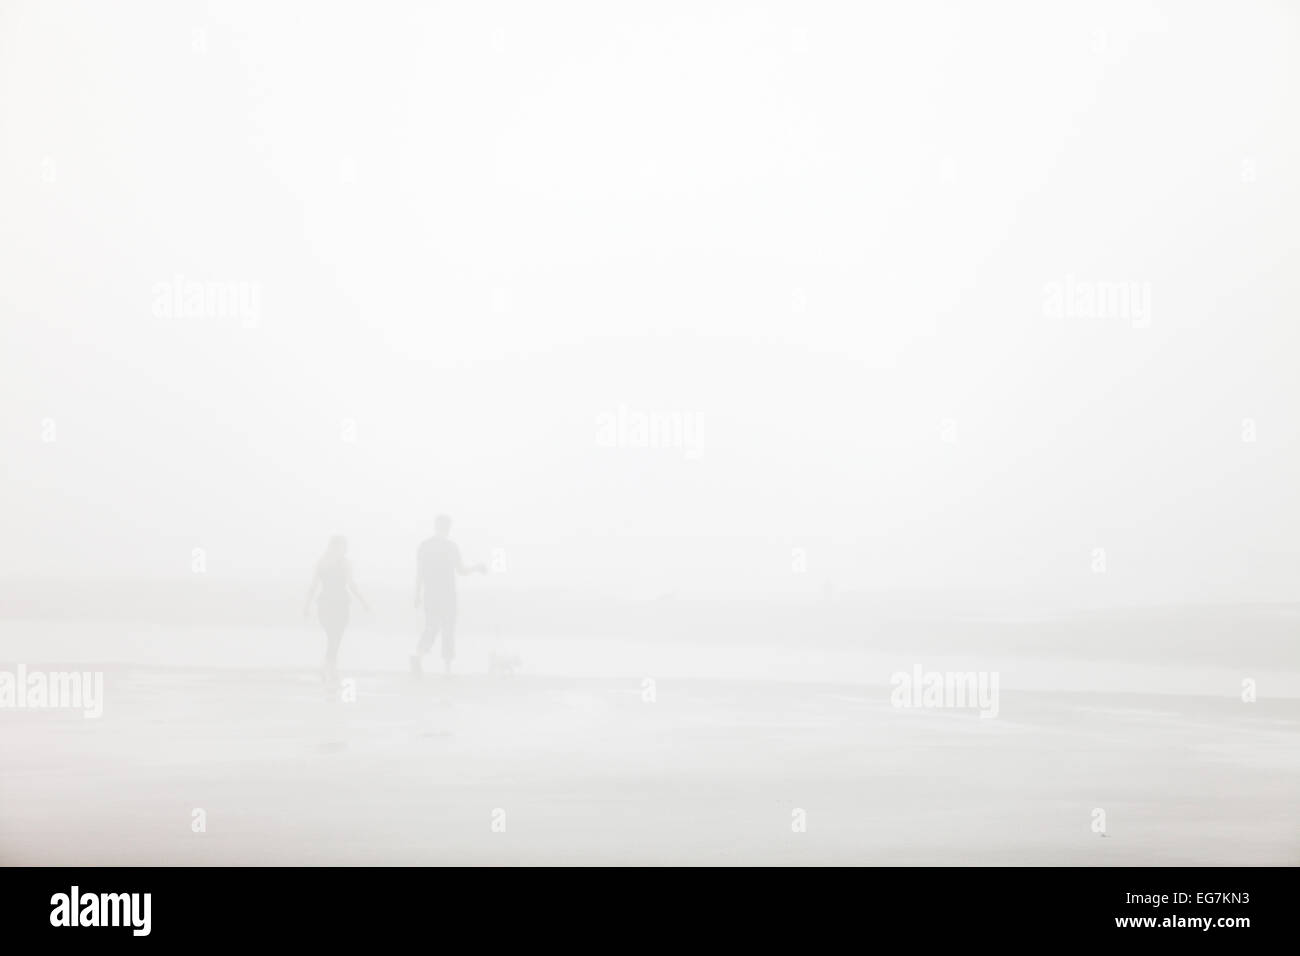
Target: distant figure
<point x="437" y="562"/>
<point x="333" y="581"/>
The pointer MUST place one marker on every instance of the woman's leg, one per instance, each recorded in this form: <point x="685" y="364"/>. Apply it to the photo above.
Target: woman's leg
<point x="333" y="638"/>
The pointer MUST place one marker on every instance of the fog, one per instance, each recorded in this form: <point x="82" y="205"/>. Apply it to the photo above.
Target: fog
<point x="769" y="358"/>
<point x="827" y="237"/>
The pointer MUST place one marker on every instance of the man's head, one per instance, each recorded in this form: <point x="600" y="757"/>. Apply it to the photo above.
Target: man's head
<point x="442" y="526"/>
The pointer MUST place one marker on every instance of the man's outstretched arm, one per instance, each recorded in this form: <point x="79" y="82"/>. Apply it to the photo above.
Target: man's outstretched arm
<point x="462" y="569"/>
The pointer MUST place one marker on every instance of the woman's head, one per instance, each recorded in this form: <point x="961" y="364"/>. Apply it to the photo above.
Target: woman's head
<point x="337" y="547"/>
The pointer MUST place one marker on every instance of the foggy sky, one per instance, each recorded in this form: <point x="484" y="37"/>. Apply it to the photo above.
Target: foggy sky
<point x="828" y="233"/>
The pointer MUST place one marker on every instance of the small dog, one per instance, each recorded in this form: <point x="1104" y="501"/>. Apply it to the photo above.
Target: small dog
<point x="503" y="665"/>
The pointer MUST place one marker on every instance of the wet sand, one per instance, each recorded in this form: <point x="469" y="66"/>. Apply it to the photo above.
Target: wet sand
<point x="527" y="769"/>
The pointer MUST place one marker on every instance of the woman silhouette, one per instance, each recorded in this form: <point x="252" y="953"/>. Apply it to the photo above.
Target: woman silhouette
<point x="333" y="581"/>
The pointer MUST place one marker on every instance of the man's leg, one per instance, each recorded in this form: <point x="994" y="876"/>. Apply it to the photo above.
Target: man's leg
<point x="427" y="637"/>
<point x="449" y="638"/>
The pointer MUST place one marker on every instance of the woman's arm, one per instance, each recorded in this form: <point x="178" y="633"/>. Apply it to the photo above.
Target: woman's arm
<point x="419" y="575"/>
<point x="311" y="591"/>
<point x="352" y="586"/>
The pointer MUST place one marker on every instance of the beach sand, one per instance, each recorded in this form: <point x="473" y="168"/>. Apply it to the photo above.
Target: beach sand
<point x="544" y="769"/>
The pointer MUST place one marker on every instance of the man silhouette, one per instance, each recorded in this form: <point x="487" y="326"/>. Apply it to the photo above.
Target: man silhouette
<point x="437" y="562"/>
